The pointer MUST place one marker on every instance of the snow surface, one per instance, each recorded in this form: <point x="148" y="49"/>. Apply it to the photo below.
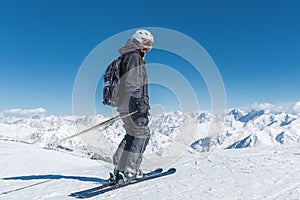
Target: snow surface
<point x="272" y="172"/>
<point x="255" y="155"/>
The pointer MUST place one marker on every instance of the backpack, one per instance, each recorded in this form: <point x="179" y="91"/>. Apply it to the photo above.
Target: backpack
<point x="111" y="83"/>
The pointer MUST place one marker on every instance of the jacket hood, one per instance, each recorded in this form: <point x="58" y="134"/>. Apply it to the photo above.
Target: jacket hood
<point x="130" y="46"/>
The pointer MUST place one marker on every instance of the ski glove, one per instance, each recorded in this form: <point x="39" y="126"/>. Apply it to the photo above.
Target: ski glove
<point x="142" y="107"/>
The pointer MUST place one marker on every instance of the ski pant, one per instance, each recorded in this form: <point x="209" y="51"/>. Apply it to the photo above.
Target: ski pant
<point x="129" y="154"/>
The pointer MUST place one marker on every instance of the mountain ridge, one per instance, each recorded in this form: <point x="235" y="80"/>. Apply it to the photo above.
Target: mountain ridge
<point x="261" y="124"/>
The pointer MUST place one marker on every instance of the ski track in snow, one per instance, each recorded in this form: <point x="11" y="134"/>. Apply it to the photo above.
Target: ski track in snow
<point x="270" y="172"/>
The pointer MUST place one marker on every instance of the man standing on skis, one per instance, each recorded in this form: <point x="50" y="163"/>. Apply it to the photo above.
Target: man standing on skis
<point x="133" y="92"/>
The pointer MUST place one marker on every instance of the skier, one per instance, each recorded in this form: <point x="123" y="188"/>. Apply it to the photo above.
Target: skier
<point x="133" y="92"/>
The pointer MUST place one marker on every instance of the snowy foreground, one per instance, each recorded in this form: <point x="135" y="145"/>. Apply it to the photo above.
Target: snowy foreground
<point x="272" y="172"/>
<point x="251" y="153"/>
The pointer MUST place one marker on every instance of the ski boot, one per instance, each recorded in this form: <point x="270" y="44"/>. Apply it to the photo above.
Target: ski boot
<point x="117" y="177"/>
<point x="133" y="173"/>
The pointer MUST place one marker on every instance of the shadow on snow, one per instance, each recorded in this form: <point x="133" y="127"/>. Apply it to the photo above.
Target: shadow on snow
<point x="55" y="177"/>
<point x="48" y="178"/>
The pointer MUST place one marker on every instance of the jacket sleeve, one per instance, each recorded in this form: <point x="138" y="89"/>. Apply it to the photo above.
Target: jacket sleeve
<point x="134" y="76"/>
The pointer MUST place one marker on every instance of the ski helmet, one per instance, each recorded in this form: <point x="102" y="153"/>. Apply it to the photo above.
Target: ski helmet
<point x="141" y="34"/>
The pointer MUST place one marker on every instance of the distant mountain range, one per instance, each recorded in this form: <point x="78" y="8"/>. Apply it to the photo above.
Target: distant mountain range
<point x="261" y="124"/>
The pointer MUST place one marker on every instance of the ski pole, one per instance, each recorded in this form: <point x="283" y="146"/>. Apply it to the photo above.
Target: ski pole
<point x="109" y="121"/>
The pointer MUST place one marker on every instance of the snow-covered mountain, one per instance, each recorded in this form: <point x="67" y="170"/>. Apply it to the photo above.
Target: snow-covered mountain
<point x="213" y="154"/>
<point x="261" y="124"/>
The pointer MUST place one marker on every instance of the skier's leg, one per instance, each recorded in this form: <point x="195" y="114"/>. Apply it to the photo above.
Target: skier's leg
<point x="119" y="165"/>
<point x="136" y="141"/>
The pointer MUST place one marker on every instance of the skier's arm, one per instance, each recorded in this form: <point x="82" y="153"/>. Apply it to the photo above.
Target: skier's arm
<point x="134" y="77"/>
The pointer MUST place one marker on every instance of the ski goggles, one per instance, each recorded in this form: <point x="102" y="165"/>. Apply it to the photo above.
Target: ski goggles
<point x="147" y="45"/>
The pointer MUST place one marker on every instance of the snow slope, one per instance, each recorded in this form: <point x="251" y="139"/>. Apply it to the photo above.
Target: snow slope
<point x="270" y="172"/>
<point x="256" y="155"/>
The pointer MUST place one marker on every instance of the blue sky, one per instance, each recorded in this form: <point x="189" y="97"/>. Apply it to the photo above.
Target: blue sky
<point x="255" y="45"/>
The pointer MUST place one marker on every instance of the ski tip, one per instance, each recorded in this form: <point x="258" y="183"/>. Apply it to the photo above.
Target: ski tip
<point x="159" y="170"/>
<point x="172" y="170"/>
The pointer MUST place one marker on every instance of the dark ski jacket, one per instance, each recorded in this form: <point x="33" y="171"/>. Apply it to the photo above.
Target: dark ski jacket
<point x="134" y="81"/>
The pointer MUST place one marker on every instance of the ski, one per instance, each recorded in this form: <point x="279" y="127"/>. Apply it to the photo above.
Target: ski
<point x="116" y="186"/>
<point x="108" y="184"/>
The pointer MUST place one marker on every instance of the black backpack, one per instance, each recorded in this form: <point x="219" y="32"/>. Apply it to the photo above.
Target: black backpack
<point x="111" y="83"/>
